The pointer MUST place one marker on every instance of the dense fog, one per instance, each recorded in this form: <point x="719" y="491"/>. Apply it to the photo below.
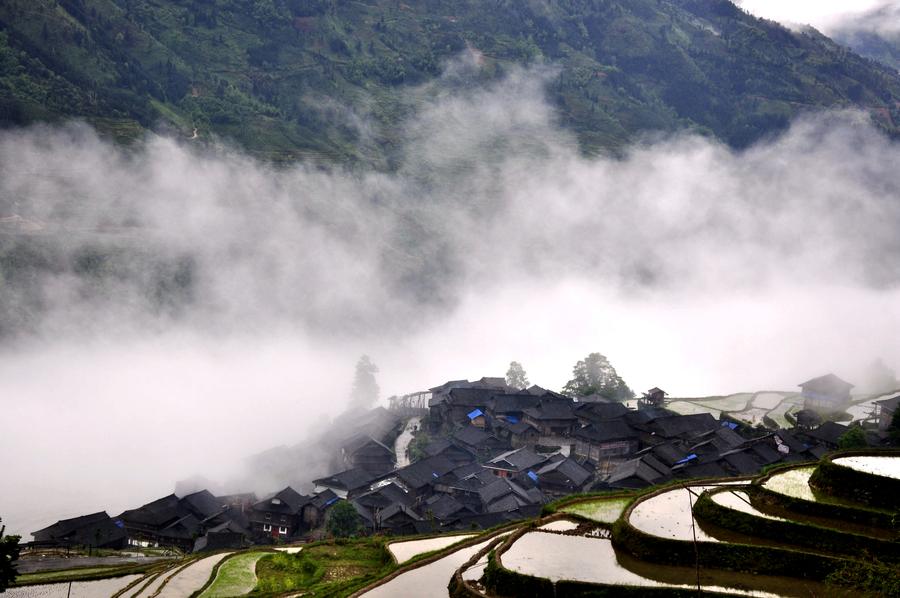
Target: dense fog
<point x="175" y="306"/>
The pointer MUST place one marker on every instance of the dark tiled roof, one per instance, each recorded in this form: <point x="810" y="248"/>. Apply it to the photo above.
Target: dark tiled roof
<point x="827" y="384"/>
<point x="64" y="527"/>
<point x="444" y="506"/>
<point x="202" y="504"/>
<point x="324" y="499"/>
<point x="607" y="431"/>
<point x="360" y="441"/>
<point x="472" y="397"/>
<point x="558" y="410"/>
<point x="287" y="501"/>
<point x="646" y="469"/>
<point x="684" y="425"/>
<point x="889" y="404"/>
<point x="513" y="402"/>
<point x="475" y="437"/>
<point x="349" y="480"/>
<point x="829" y="432"/>
<point x="424" y="472"/>
<point x="742" y="462"/>
<point x="600" y="411"/>
<point x="158" y="513"/>
<point x="516" y="460"/>
<point x="567" y="468"/>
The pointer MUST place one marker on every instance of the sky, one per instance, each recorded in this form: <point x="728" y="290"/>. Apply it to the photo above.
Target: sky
<point x="825" y="15"/>
<point x="196" y="306"/>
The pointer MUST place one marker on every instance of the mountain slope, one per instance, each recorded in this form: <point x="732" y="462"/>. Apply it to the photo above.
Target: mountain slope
<point x="332" y="79"/>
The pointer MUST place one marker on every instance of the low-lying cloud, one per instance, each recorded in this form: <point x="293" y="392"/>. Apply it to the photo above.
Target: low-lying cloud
<point x="182" y="306"/>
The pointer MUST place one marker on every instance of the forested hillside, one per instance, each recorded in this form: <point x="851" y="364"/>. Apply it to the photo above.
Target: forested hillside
<point x="331" y="79"/>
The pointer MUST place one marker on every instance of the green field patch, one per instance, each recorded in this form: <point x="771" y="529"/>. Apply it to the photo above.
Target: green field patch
<point x="688" y="408"/>
<point x="236" y="576"/>
<point x="604" y="511"/>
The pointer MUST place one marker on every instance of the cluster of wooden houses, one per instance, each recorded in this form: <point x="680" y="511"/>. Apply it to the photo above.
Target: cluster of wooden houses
<point x="484" y="453"/>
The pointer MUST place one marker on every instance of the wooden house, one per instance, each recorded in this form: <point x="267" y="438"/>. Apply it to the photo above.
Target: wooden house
<point x="279" y="516"/>
<point x="826" y="393"/>
<point x="606" y="442"/>
<point x="96" y="530"/>
<point x="367" y="453"/>
<point x="887" y="410"/>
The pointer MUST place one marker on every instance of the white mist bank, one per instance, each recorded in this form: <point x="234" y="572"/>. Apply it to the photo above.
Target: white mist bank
<point x="692" y="267"/>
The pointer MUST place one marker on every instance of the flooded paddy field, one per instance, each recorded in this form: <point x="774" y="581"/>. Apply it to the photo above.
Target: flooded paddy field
<point x="670" y="515"/>
<point x="601" y="510"/>
<point x="739" y="501"/>
<point x="768" y="400"/>
<point x="560" y="525"/>
<point x="793" y="483"/>
<point x="404" y="551"/>
<point x="888" y="467"/>
<point x="103" y="588"/>
<point x="428" y="580"/>
<point x="592" y="560"/>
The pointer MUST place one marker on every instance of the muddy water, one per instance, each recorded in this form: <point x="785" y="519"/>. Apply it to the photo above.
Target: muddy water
<point x="888" y="467"/>
<point x="561" y="525"/>
<point x="403" y="551"/>
<point x="103" y="588"/>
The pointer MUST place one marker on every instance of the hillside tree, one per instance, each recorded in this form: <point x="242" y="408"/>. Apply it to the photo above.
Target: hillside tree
<point x="343" y="521"/>
<point x="516" y="376"/>
<point x="894" y="429"/>
<point x="596" y="375"/>
<point x="365" y="389"/>
<point x="9" y="552"/>
<point x="855" y="437"/>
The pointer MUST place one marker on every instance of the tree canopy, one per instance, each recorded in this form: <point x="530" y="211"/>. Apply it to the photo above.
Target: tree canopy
<point x="855" y="437"/>
<point x="516" y="376"/>
<point x="365" y="389"/>
<point x="596" y="375"/>
<point x="343" y="521"/>
<point x="9" y="552"/>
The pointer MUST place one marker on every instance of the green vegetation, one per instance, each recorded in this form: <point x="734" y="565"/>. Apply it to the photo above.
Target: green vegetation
<point x="603" y="510"/>
<point x="9" y="552"/>
<point x="291" y="79"/>
<point x="343" y="521"/>
<point x="324" y="569"/>
<point x="596" y="375"/>
<point x="235" y="576"/>
<point x="853" y="438"/>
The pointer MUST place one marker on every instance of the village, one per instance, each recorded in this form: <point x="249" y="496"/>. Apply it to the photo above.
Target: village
<point x="473" y="455"/>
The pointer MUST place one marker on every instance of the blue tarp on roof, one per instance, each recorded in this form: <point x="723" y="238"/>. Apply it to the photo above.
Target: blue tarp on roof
<point x="533" y="476"/>
<point x="731" y="425"/>
<point x="512" y="419"/>
<point x="331" y="501"/>
<point x="476" y="413"/>
<point x="686" y="459"/>
<point x="119" y="523"/>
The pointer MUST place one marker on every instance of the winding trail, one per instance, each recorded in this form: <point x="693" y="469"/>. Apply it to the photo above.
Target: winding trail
<point x="191" y="578"/>
<point x="403" y="440"/>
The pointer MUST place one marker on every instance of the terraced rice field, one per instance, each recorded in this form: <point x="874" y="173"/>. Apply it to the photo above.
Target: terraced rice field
<point x="236" y="577"/>
<point x="739" y="501"/>
<point x="788" y="405"/>
<point x="768" y="400"/>
<point x="669" y="514"/>
<point x="735" y="402"/>
<point x="191" y="578"/>
<point x="689" y="408"/>
<point x="103" y="588"/>
<point x="404" y="551"/>
<point x="603" y="510"/>
<point x="793" y="483"/>
<point x="888" y="467"/>
<point x="429" y="580"/>
<point x="560" y="525"/>
<point x="578" y="558"/>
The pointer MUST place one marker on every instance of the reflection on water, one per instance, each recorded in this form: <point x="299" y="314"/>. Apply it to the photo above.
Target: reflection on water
<point x="884" y="466"/>
<point x="403" y="551"/>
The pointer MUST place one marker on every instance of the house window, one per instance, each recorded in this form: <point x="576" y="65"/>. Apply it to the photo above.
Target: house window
<point x="267" y="527"/>
<point x="282" y="530"/>
<point x="283" y="518"/>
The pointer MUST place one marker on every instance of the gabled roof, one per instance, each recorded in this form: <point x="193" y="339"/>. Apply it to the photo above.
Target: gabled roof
<point x="470" y="397"/>
<point x="516" y="460"/>
<point x="567" y="468"/>
<point x="827" y="384"/>
<point x="349" y="480"/>
<point x="668" y="453"/>
<point x="202" y="504"/>
<point x="360" y="441"/>
<point x="185" y="527"/>
<point x="646" y="469"/>
<point x="551" y="410"/>
<point x="607" y="431"/>
<point x="474" y="437"/>
<point x="158" y="513"/>
<point x="684" y="425"/>
<point x="424" y="472"/>
<point x="512" y="403"/>
<point x="829" y="432"/>
<point x="287" y="501"/>
<point x="65" y="527"/>
<point x="445" y="506"/>
<point x="324" y="499"/>
<point x="889" y="404"/>
<point x="600" y="411"/>
<point x="395" y="510"/>
<point x="742" y="462"/>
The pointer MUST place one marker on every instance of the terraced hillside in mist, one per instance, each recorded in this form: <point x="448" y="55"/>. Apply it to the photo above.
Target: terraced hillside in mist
<point x="333" y="79"/>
